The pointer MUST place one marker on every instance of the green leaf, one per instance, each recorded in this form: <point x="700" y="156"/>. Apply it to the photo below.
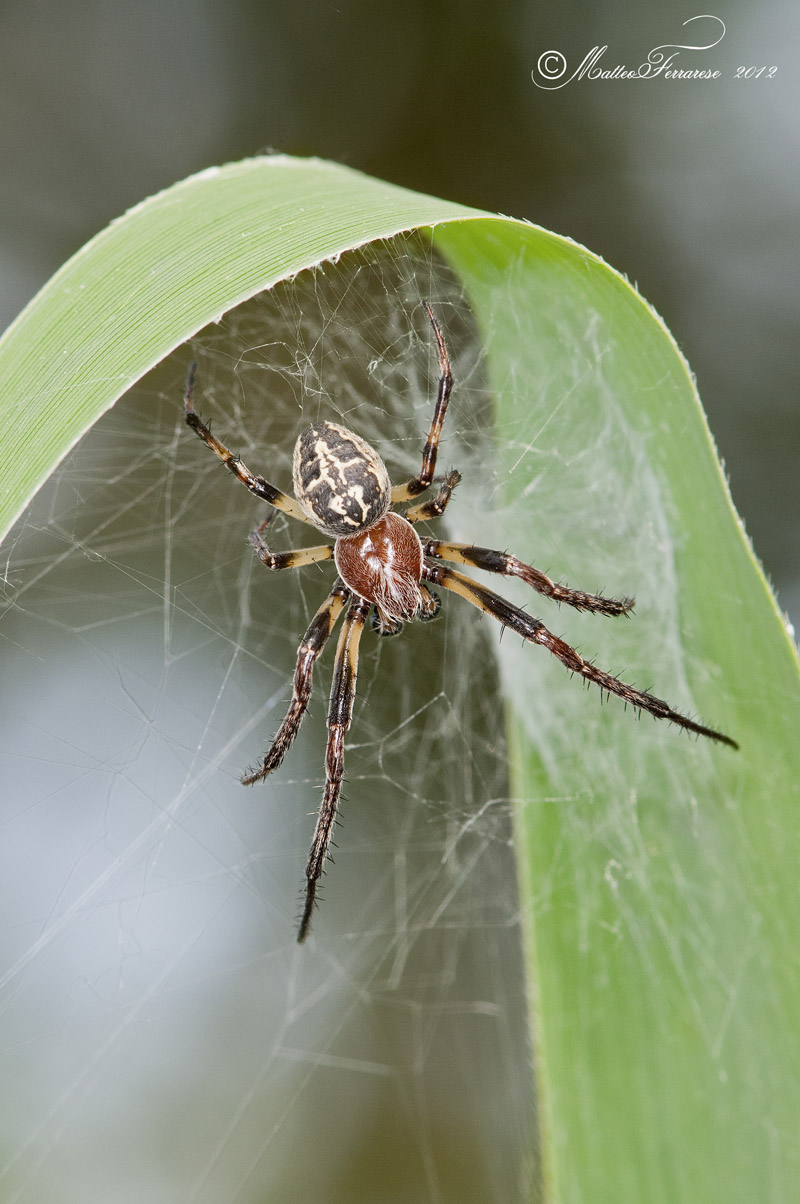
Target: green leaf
<point x="158" y="275"/>
<point x="658" y="874"/>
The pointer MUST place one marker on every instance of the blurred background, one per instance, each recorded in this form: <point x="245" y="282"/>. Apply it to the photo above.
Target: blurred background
<point x="165" y="1041"/>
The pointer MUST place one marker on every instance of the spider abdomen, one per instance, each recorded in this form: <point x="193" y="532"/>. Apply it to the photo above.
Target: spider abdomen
<point x="340" y="481"/>
<point x="384" y="565"/>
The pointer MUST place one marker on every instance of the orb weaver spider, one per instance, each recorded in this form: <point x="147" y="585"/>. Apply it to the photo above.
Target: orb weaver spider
<point x="342" y="488"/>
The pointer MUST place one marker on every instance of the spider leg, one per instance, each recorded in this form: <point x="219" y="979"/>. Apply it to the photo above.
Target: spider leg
<point x="417" y="485"/>
<point x="435" y="506"/>
<point x="256" y="485"/>
<point x="340" y="712"/>
<point x="535" y="631"/>
<point x="293" y="559"/>
<point x="312" y="644"/>
<point x="432" y="604"/>
<point x="509" y="566"/>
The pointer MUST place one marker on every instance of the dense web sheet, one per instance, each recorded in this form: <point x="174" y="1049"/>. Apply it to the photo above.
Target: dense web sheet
<point x="163" y="1036"/>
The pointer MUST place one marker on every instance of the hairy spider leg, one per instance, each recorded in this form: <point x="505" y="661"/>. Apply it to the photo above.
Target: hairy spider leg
<point x="509" y="566"/>
<point x="312" y="644"/>
<point x="257" y="485"/>
<point x="535" y="631"/>
<point x="293" y="559"/>
<point x="434" y="507"/>
<point x="417" y="485"/>
<point x="340" y="713"/>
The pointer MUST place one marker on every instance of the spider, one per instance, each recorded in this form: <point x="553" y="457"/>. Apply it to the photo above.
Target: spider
<point x="385" y="571"/>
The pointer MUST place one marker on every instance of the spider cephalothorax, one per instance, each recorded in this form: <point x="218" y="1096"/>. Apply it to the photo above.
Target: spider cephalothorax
<point x="384" y="564"/>
<point x="343" y="489"/>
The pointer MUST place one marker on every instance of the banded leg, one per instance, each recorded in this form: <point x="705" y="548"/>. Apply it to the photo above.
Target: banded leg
<point x="313" y="642"/>
<point x="535" y="631"/>
<point x="435" y="506"/>
<point x="509" y="566"/>
<point x="293" y="559"/>
<point x="340" y="712"/>
<point x="417" y="485"/>
<point x="256" y="485"/>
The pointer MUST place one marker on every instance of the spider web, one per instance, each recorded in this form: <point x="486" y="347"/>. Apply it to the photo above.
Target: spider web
<point x="161" y="1026"/>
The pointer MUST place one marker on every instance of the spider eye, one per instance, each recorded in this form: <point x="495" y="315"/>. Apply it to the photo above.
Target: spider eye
<point x="339" y="480"/>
